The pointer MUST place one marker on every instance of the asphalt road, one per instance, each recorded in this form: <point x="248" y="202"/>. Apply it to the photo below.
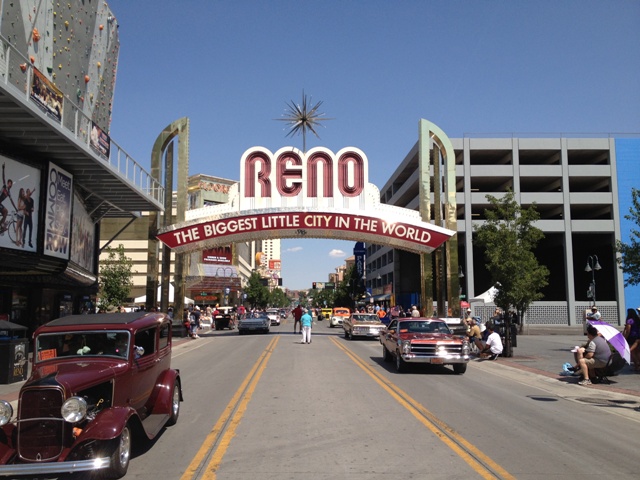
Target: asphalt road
<point x="267" y="407"/>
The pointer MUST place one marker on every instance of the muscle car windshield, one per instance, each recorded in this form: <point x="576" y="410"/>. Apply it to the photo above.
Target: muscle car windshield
<point x="423" y="326"/>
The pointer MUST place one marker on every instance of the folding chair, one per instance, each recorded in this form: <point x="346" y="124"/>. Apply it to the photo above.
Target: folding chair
<point x="613" y="366"/>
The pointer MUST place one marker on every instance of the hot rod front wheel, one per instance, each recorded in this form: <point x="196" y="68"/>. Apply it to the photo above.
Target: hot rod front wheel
<point x="120" y="457"/>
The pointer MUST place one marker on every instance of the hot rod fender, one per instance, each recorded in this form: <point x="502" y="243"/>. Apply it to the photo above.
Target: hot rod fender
<point x="107" y="425"/>
<point x="161" y="400"/>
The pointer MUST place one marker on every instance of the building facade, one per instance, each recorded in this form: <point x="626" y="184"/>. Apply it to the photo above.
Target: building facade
<point x="62" y="173"/>
<point x="581" y="194"/>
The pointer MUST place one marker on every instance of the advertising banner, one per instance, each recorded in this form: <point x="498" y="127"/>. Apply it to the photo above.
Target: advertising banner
<point x="46" y="95"/>
<point x="19" y="205"/>
<point x="57" y="223"/>
<point x="218" y="256"/>
<point x="83" y="236"/>
<point x="275" y="265"/>
<point x="100" y="141"/>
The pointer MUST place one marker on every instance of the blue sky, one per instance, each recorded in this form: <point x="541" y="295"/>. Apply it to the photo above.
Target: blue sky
<point x="470" y="67"/>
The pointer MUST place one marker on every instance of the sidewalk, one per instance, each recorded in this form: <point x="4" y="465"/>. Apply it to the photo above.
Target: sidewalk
<point x="546" y="349"/>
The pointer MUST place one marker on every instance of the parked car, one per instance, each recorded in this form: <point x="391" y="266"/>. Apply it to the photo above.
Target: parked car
<point x="274" y="315"/>
<point x="98" y="382"/>
<point x="225" y="318"/>
<point x="338" y="315"/>
<point x="325" y="313"/>
<point x="283" y="313"/>
<point x="423" y="340"/>
<point x="257" y="322"/>
<point x="362" y="325"/>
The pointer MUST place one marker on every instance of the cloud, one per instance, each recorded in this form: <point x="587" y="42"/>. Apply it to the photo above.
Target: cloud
<point x="293" y="249"/>
<point x="335" y="253"/>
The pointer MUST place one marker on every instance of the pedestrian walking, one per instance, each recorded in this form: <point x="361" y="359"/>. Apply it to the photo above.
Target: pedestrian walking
<point x="297" y="315"/>
<point x="306" y="320"/>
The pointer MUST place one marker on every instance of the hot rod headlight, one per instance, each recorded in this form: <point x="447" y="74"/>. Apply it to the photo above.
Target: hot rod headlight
<point x="6" y="412"/>
<point x="74" y="409"/>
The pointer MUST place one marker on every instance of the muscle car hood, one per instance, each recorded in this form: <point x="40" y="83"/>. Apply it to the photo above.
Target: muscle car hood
<point x="76" y="375"/>
<point x="370" y="323"/>
<point x="429" y="337"/>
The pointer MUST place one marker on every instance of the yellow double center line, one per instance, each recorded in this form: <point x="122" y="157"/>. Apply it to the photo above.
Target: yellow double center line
<point x="477" y="460"/>
<point x="215" y="445"/>
<point x="217" y="442"/>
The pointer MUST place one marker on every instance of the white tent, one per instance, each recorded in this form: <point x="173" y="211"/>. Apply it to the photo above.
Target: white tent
<point x="486" y="297"/>
<point x="143" y="298"/>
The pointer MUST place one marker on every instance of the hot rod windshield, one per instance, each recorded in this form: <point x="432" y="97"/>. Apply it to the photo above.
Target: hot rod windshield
<point x="85" y="344"/>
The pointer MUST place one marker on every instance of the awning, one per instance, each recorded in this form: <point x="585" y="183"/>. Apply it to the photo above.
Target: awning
<point x="383" y="297"/>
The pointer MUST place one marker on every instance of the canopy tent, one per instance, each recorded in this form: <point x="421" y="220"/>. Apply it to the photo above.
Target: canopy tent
<point x="143" y="298"/>
<point x="486" y="297"/>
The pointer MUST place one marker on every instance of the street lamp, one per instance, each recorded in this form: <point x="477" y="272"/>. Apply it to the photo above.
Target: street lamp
<point x="592" y="266"/>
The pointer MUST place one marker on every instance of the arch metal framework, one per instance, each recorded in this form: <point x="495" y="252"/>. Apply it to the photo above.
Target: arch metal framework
<point x="321" y="194"/>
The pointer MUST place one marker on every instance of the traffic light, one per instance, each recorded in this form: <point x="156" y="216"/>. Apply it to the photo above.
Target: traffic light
<point x="314" y="284"/>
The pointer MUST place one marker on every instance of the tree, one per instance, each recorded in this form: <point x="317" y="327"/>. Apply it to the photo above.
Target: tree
<point x="324" y="298"/>
<point x="116" y="278"/>
<point x="278" y="298"/>
<point x="629" y="260"/>
<point x="509" y="238"/>
<point x="257" y="294"/>
<point x="350" y="289"/>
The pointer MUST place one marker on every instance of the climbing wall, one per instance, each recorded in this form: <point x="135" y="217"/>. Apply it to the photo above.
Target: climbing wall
<point x="73" y="43"/>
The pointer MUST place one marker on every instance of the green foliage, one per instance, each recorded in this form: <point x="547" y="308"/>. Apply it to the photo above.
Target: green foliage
<point x="323" y="298"/>
<point x="278" y="298"/>
<point x="629" y="260"/>
<point x="257" y="294"/>
<point x="349" y="290"/>
<point x="115" y="279"/>
<point x="509" y="239"/>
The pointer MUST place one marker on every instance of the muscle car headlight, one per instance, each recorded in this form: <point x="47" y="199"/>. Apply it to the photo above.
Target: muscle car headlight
<point x="74" y="409"/>
<point x="6" y="412"/>
<point x="406" y="346"/>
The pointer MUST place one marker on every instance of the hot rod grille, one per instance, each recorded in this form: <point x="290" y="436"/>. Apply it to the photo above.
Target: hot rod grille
<point x="40" y="429"/>
<point x="429" y="350"/>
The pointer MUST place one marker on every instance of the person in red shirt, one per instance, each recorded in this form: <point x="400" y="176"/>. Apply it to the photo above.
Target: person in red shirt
<point x="297" y="315"/>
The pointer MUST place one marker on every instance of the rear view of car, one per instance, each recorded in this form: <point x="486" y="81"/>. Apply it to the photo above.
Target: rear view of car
<point x="258" y="322"/>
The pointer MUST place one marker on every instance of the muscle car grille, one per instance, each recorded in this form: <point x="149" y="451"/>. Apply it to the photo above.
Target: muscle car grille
<point x="40" y="426"/>
<point x="431" y="349"/>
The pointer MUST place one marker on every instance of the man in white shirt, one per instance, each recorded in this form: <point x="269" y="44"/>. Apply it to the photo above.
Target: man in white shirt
<point x="493" y="345"/>
<point x="594" y="315"/>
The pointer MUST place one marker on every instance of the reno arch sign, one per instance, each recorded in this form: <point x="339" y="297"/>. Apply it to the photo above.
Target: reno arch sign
<point x="291" y="194"/>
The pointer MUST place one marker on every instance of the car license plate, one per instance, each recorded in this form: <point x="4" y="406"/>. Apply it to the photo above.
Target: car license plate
<point x="437" y="361"/>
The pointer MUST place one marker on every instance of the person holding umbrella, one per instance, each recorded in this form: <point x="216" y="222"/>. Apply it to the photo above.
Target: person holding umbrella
<point x="595" y="355"/>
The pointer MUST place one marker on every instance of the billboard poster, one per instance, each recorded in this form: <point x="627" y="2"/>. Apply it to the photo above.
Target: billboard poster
<point x="99" y="141"/>
<point x="219" y="255"/>
<point x="46" y="95"/>
<point x="19" y="205"/>
<point x="275" y="265"/>
<point x="359" y="252"/>
<point x="57" y="223"/>
<point x="82" y="236"/>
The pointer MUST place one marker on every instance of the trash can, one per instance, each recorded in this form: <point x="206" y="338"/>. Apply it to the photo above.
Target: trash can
<point x="14" y="352"/>
<point x="178" y="330"/>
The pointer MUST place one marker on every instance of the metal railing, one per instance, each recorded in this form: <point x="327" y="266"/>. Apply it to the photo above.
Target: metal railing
<point x="16" y="73"/>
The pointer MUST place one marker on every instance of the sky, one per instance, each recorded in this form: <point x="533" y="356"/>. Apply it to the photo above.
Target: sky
<point x="475" y="67"/>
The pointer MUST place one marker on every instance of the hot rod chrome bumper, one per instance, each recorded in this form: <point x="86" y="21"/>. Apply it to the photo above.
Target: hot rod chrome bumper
<point x="54" y="467"/>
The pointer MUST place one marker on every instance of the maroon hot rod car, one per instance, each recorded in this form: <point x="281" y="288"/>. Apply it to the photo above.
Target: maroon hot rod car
<point x="96" y="380"/>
